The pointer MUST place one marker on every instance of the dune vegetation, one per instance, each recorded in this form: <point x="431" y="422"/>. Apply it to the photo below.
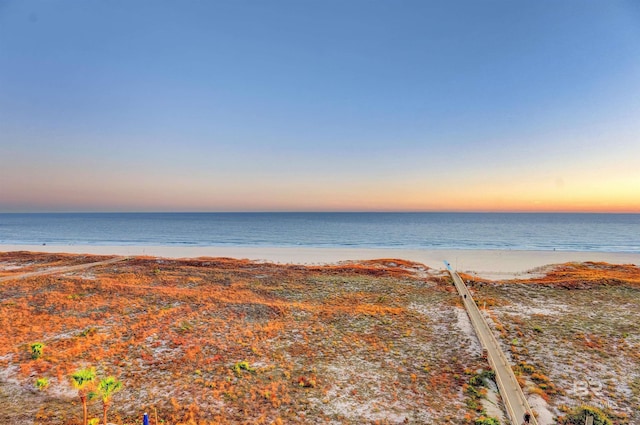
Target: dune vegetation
<point x="215" y="340"/>
<point x="573" y="336"/>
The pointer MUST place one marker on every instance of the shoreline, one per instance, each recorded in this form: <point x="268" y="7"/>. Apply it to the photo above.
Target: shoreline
<point x="490" y="264"/>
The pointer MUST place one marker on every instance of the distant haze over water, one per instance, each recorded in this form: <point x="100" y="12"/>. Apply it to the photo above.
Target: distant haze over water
<point x="516" y="231"/>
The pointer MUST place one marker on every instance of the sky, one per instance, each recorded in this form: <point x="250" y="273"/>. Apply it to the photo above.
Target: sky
<point x="328" y="105"/>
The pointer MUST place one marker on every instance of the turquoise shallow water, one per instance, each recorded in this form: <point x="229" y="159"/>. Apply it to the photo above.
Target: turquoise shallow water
<point x="565" y="232"/>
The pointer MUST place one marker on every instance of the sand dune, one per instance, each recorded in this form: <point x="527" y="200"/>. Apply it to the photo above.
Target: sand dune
<point x="493" y="264"/>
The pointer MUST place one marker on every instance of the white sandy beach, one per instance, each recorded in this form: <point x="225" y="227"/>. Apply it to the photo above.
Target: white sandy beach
<point x="493" y="264"/>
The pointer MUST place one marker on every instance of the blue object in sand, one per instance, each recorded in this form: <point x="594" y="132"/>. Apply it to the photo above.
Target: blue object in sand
<point x="145" y="419"/>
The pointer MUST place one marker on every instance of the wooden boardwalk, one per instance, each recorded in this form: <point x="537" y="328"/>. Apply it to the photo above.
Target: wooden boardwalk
<point x="513" y="398"/>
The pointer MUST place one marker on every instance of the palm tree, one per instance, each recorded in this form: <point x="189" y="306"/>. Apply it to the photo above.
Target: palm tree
<point x="81" y="381"/>
<point x="107" y="388"/>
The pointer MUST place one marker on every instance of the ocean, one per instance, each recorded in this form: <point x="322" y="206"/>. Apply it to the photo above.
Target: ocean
<point x="514" y="231"/>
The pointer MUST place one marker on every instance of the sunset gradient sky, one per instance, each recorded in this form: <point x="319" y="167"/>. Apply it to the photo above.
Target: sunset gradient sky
<point x="325" y="105"/>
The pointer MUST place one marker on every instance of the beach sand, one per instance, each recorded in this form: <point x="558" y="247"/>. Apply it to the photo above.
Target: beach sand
<point x="490" y="264"/>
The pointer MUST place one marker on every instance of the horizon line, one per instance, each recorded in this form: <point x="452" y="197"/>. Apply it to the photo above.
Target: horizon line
<point x="332" y="212"/>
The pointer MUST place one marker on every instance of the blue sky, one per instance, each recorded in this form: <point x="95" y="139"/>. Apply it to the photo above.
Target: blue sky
<point x="319" y="105"/>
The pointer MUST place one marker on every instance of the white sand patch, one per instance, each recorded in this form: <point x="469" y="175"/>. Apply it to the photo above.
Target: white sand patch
<point x="356" y="376"/>
<point x="368" y="411"/>
<point x="499" y="276"/>
<point x="422" y="309"/>
<point x="492" y="404"/>
<point x="10" y="373"/>
<point x="521" y="309"/>
<point x="538" y="405"/>
<point x="83" y="276"/>
<point x="464" y="324"/>
<point x="61" y="390"/>
<point x="10" y="266"/>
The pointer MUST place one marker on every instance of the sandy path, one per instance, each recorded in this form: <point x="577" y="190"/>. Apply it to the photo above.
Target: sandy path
<point x="64" y="269"/>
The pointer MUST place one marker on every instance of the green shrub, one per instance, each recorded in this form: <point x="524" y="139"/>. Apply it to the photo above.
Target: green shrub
<point x="478" y="380"/>
<point x="243" y="365"/>
<point x="487" y="420"/>
<point x="578" y="415"/>
<point x="88" y="332"/>
<point x="185" y="326"/>
<point x="36" y="350"/>
<point x="488" y="374"/>
<point x="42" y="383"/>
<point x="526" y="368"/>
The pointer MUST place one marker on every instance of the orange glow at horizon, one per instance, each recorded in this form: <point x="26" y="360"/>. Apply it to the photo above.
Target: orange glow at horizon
<point x="311" y="199"/>
<point x="611" y="191"/>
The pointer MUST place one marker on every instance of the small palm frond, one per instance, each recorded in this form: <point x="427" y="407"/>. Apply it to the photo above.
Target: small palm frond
<point x="83" y="377"/>
<point x="108" y="386"/>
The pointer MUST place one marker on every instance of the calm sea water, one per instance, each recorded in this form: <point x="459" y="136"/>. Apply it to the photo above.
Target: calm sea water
<point x="575" y="232"/>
